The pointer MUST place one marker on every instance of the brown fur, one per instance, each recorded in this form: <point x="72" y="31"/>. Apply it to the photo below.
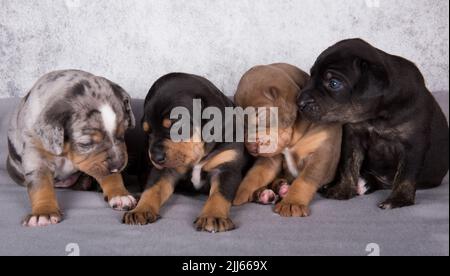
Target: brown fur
<point x="113" y="186"/>
<point x="43" y="198"/>
<point x="147" y="210"/>
<point x="146" y="127"/>
<point x="216" y="212"/>
<point x="184" y="153"/>
<point x="220" y="159"/>
<point x="315" y="148"/>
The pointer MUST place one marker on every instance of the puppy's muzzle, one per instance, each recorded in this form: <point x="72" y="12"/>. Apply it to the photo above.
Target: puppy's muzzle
<point x="307" y="105"/>
<point x="158" y="157"/>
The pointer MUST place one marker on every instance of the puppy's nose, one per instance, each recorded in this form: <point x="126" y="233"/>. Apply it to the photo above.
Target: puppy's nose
<point x="159" y="158"/>
<point x="305" y="101"/>
<point x="116" y="166"/>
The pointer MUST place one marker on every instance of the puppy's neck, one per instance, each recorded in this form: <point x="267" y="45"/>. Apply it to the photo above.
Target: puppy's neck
<point x="300" y="129"/>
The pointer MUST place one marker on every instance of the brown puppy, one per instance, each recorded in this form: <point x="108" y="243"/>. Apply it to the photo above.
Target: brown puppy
<point x="306" y="151"/>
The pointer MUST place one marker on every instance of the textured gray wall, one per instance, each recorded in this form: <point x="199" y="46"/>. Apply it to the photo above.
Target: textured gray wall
<point x="133" y="42"/>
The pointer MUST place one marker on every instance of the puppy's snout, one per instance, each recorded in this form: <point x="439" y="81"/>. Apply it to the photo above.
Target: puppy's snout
<point x="158" y="156"/>
<point x="305" y="101"/>
<point x="116" y="166"/>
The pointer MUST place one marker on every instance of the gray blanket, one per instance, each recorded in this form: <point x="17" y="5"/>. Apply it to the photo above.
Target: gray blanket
<point x="335" y="228"/>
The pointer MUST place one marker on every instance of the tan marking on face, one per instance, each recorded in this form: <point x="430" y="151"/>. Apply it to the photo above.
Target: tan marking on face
<point x="146" y="127"/>
<point x="220" y="159"/>
<point x="183" y="154"/>
<point x="97" y="137"/>
<point x="121" y="130"/>
<point x="167" y="123"/>
<point x="94" y="165"/>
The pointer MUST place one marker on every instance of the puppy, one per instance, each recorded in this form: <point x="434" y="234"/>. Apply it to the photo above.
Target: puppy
<point x="309" y="151"/>
<point x="396" y="136"/>
<point x="70" y="123"/>
<point x="213" y="165"/>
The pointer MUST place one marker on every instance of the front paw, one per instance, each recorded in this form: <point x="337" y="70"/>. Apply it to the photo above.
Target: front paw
<point x="338" y="192"/>
<point x="393" y="203"/>
<point x="140" y="217"/>
<point x="214" y="225"/>
<point x="122" y="203"/>
<point x="42" y="219"/>
<point x="243" y="196"/>
<point x="286" y="209"/>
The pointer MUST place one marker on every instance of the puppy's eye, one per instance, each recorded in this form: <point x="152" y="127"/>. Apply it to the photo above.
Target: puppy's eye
<point x="85" y="145"/>
<point x="335" y="84"/>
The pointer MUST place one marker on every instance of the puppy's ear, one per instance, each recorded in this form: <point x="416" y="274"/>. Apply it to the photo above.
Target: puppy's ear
<point x="51" y="127"/>
<point x="126" y="99"/>
<point x="272" y="94"/>
<point x="372" y="75"/>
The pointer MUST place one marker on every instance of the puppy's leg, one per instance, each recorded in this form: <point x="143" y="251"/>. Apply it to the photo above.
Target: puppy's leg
<point x="315" y="173"/>
<point x="116" y="194"/>
<point x="404" y="186"/>
<point x="45" y="208"/>
<point x="352" y="158"/>
<point x="148" y="208"/>
<point x="261" y="175"/>
<point x="215" y="216"/>
<point x="297" y="201"/>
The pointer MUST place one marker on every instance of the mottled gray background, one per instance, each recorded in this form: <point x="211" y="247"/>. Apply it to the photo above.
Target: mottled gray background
<point x="133" y="42"/>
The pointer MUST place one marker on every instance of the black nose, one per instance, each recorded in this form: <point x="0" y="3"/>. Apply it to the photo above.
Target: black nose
<point x="159" y="158"/>
<point x="304" y="101"/>
<point x="116" y="166"/>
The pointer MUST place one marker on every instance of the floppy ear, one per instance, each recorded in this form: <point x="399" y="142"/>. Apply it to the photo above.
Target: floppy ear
<point x="271" y="94"/>
<point x="126" y="100"/>
<point x="373" y="77"/>
<point x="51" y="127"/>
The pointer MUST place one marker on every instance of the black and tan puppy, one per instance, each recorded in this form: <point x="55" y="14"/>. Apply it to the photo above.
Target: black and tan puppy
<point x="396" y="136"/>
<point x="307" y="152"/>
<point x="214" y="165"/>
<point x="71" y="124"/>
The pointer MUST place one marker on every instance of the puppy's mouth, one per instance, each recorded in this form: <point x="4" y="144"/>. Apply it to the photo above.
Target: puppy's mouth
<point x="157" y="166"/>
<point x="311" y="112"/>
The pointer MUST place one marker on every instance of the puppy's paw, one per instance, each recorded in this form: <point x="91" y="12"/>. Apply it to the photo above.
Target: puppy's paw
<point x="338" y="192"/>
<point x="214" y="225"/>
<point x="393" y="203"/>
<point x="283" y="190"/>
<point x="123" y="203"/>
<point x="286" y="209"/>
<point x="267" y="197"/>
<point x="140" y="217"/>
<point x="243" y="196"/>
<point x="42" y="220"/>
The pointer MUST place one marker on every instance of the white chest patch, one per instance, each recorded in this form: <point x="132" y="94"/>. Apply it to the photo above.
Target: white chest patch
<point x="197" y="176"/>
<point x="362" y="187"/>
<point x="109" y="118"/>
<point x="292" y="167"/>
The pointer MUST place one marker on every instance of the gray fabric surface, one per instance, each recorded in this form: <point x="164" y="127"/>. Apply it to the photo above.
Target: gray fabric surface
<point x="335" y="228"/>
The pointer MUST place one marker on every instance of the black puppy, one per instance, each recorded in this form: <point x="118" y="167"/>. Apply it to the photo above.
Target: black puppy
<point x="396" y="136"/>
<point x="216" y="166"/>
